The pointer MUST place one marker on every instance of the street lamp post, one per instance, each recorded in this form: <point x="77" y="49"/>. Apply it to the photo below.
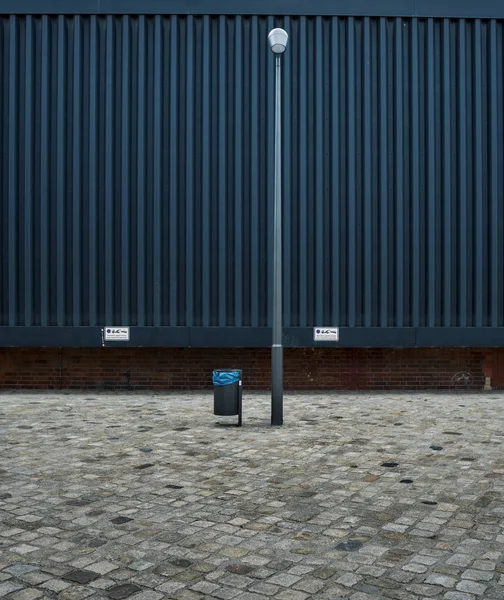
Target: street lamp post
<point x="277" y="39"/>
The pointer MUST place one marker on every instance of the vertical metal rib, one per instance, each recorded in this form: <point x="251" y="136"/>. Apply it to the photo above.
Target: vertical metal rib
<point x="399" y="175"/>
<point x="415" y="177"/>
<point x="432" y="258"/>
<point x="320" y="196"/>
<point x="493" y="125"/>
<point x="286" y="181"/>
<point x="28" y="177"/>
<point x="384" y="199"/>
<point x="159" y="269"/>
<point x="109" y="170"/>
<point x="351" y="175"/>
<point x="238" y="181"/>
<point x="141" y="195"/>
<point x="254" y="169"/>
<point x="335" y="175"/>
<point x="44" y="173"/>
<point x="174" y="162"/>
<point x="222" y="227"/>
<point x="76" y="175"/>
<point x="125" y="172"/>
<point x="189" y="181"/>
<point x="478" y="291"/>
<point x="93" y="170"/>
<point x="447" y="177"/>
<point x="303" y="184"/>
<point x="462" y="171"/>
<point x="13" y="172"/>
<point x="205" y="174"/>
<point x="61" y="148"/>
<point x="369" y="294"/>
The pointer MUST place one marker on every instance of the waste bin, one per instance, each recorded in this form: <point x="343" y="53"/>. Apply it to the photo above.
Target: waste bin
<point x="228" y="393"/>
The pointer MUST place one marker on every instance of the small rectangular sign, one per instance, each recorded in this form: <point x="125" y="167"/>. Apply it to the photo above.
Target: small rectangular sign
<point x="325" y="334"/>
<point x="117" y="334"/>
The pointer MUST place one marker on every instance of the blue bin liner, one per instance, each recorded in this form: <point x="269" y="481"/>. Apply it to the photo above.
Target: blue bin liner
<point x="221" y="378"/>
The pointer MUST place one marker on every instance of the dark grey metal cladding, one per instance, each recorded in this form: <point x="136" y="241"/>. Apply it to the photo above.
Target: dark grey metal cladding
<point x="136" y="180"/>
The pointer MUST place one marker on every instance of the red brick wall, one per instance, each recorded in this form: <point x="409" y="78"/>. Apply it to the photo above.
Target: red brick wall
<point x="191" y="368"/>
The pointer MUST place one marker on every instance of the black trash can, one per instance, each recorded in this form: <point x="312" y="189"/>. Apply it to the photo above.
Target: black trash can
<point x="228" y="393"/>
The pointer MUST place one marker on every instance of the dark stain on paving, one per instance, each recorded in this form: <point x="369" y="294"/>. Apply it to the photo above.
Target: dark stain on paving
<point x="406" y="481"/>
<point x="429" y="502"/>
<point x="118" y="592"/>
<point x="452" y="433"/>
<point x="120" y="520"/>
<point x="390" y="465"/>
<point x="145" y="449"/>
<point x="239" y="569"/>
<point x="174" y="487"/>
<point x="349" y="546"/>
<point x="145" y="466"/>
<point x="181" y="562"/>
<point x="78" y="502"/>
<point x="436" y="448"/>
<point x="80" y="576"/>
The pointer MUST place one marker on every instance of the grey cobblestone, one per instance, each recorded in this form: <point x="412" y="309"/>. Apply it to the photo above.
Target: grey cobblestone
<point x="143" y="494"/>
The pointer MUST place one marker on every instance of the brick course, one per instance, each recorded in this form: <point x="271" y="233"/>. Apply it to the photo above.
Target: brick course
<point x="191" y="368"/>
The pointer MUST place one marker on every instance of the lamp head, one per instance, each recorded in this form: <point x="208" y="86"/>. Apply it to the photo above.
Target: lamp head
<point x="277" y="39"/>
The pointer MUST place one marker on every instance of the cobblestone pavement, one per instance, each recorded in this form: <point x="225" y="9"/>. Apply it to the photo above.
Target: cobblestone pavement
<point x="148" y="497"/>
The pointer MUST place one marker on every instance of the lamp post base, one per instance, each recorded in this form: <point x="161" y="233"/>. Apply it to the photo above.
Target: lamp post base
<point x="277" y="385"/>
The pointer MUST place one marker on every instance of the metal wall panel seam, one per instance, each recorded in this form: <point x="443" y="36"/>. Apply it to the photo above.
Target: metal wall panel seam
<point x="61" y="148"/>
<point x="287" y="151"/>
<point x="480" y="233"/>
<point x="222" y="204"/>
<point x="415" y="177"/>
<point x="462" y="165"/>
<point x="383" y="161"/>
<point x="140" y="199"/>
<point x="399" y="175"/>
<point x="189" y="174"/>
<point x="432" y="259"/>
<point x="13" y="184"/>
<point x="125" y="172"/>
<point x="28" y="176"/>
<point x="351" y="176"/>
<point x="109" y="232"/>
<point x="238" y="176"/>
<point x="93" y="237"/>
<point x="335" y="181"/>
<point x="448" y="75"/>
<point x="303" y="250"/>
<point x="254" y="167"/>
<point x="320" y="287"/>
<point x="205" y="176"/>
<point x="174" y="187"/>
<point x="160" y="266"/>
<point x="496" y="259"/>
<point x="369" y="294"/>
<point x="77" y="272"/>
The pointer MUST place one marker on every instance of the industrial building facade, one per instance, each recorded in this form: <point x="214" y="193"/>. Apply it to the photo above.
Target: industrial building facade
<point x="136" y="190"/>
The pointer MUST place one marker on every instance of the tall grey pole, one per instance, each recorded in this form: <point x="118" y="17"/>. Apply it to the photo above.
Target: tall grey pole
<point x="277" y="348"/>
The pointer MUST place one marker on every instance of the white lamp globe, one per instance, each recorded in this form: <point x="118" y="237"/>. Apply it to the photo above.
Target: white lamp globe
<point x="277" y="39"/>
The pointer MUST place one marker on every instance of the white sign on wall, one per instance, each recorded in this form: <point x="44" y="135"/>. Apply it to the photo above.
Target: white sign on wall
<point x="117" y="334"/>
<point x="326" y="334"/>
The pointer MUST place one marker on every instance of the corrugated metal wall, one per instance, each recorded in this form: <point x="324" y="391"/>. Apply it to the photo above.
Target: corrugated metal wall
<point x="137" y="171"/>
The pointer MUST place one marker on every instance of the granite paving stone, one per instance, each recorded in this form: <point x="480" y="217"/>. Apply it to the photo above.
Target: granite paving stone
<point x="149" y="496"/>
